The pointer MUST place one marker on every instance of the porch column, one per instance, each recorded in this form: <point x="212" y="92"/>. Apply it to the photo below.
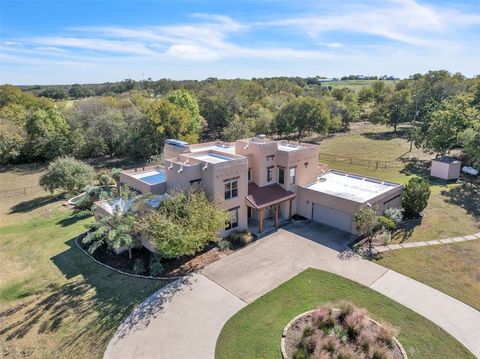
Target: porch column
<point x="276" y="216"/>
<point x="260" y="220"/>
<point x="290" y="209"/>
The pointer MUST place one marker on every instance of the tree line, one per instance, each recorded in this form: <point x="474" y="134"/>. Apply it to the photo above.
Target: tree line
<point x="133" y="118"/>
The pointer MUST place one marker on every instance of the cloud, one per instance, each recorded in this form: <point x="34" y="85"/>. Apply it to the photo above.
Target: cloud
<point x="334" y="45"/>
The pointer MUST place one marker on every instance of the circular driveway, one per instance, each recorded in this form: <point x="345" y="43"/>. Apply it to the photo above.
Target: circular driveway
<point x="184" y="319"/>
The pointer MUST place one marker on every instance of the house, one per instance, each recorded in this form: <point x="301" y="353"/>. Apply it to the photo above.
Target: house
<point x="262" y="182"/>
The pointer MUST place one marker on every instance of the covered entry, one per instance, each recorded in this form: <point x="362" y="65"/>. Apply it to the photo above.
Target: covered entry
<point x="266" y="199"/>
<point x="331" y="217"/>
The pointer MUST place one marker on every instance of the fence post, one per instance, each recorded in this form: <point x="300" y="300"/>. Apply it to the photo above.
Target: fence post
<point x="376" y="166"/>
<point x="24" y="191"/>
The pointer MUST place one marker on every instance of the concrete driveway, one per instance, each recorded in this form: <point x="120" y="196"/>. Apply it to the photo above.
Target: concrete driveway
<point x="185" y="319"/>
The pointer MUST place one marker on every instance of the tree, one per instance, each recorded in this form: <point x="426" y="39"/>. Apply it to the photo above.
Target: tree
<point x="187" y="100"/>
<point x="68" y="174"/>
<point x="303" y="114"/>
<point x="443" y="124"/>
<point x="237" y="129"/>
<point x="169" y="120"/>
<point x="47" y="135"/>
<point x="76" y="91"/>
<point x="115" y="174"/>
<point x="397" y="108"/>
<point x="415" y="196"/>
<point x="184" y="224"/>
<point x="471" y="143"/>
<point x="117" y="231"/>
<point x="366" y="223"/>
<point x="12" y="140"/>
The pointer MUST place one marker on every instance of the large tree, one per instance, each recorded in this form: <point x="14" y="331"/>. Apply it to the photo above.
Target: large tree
<point x="301" y="115"/>
<point x="67" y="174"/>
<point x="184" y="224"/>
<point x="47" y="135"/>
<point x="187" y="100"/>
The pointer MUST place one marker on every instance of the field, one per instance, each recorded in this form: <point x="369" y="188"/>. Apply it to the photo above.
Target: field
<point x="256" y="330"/>
<point x="450" y="211"/>
<point x="55" y="302"/>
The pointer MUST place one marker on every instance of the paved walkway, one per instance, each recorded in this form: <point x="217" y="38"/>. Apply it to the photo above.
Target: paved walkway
<point x="434" y="242"/>
<point x="184" y="319"/>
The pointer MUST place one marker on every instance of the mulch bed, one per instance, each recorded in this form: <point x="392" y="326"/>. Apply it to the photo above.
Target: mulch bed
<point x="173" y="267"/>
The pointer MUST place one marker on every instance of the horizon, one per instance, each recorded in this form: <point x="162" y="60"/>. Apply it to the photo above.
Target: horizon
<point x="94" y="42"/>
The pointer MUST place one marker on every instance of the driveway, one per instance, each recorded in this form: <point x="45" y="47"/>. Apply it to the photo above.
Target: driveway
<point x="185" y="319"/>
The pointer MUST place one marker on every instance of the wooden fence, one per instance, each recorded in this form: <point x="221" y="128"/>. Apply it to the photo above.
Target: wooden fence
<point x="370" y="163"/>
<point x="21" y="192"/>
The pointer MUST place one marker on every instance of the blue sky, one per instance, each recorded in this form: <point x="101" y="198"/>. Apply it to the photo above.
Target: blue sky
<point x="60" y="42"/>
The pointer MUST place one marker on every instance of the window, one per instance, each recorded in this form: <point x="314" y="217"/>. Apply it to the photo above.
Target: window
<point x="249" y="175"/>
<point x="293" y="174"/>
<point x="233" y="221"/>
<point x="269" y="174"/>
<point x="281" y="175"/>
<point x="231" y="188"/>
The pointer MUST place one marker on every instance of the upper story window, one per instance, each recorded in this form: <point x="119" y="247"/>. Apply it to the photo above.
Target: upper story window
<point x="281" y="175"/>
<point x="269" y="174"/>
<point x="231" y="188"/>
<point x="249" y="175"/>
<point x="293" y="175"/>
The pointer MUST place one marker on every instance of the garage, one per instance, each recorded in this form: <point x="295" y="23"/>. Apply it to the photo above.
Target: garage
<point x="336" y="197"/>
<point x="331" y="217"/>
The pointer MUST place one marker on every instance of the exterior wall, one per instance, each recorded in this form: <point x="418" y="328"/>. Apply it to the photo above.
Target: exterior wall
<point x="306" y="196"/>
<point x="445" y="170"/>
<point x="139" y="185"/>
<point x="261" y="155"/>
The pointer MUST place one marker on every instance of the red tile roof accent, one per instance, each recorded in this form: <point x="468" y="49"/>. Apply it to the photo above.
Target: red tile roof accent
<point x="261" y="197"/>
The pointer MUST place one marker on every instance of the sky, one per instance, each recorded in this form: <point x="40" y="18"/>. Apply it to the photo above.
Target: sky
<point x="64" y="42"/>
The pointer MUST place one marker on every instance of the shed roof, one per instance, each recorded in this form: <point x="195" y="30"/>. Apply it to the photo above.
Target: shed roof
<point x="261" y="197"/>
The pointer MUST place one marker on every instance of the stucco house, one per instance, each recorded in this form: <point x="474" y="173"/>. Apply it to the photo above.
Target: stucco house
<point x="263" y="181"/>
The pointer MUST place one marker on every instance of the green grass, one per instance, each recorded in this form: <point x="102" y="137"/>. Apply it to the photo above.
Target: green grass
<point x="256" y="330"/>
<point x="450" y="211"/>
<point x="450" y="268"/>
<point x="55" y="301"/>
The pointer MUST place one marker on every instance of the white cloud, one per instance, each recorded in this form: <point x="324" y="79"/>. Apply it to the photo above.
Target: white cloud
<point x="334" y="45"/>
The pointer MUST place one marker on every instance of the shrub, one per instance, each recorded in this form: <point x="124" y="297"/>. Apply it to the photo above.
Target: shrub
<point x="354" y="323"/>
<point x="379" y="353"/>
<point x="67" y="174"/>
<point x="300" y="354"/>
<point x="138" y="266"/>
<point x="308" y="332"/>
<point x="224" y="244"/>
<point x="330" y="344"/>
<point x="395" y="214"/>
<point x="386" y="223"/>
<point x="345" y="308"/>
<point x="415" y="196"/>
<point x="240" y="238"/>
<point x="155" y="267"/>
<point x="346" y="353"/>
<point x="323" y="318"/>
<point x="385" y="335"/>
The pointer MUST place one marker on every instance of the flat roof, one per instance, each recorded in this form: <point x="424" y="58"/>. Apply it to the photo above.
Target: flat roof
<point x="212" y="158"/>
<point x="215" y="147"/>
<point x="150" y="177"/>
<point x="351" y="187"/>
<point x="289" y="147"/>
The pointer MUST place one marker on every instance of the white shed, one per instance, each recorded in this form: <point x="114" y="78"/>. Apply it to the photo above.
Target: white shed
<point x="446" y="168"/>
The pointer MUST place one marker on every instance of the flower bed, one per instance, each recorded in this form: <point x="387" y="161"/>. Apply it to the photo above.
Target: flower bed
<point x="339" y="331"/>
<point x="172" y="268"/>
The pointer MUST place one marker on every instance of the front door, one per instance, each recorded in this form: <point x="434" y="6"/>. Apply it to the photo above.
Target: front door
<point x="249" y="212"/>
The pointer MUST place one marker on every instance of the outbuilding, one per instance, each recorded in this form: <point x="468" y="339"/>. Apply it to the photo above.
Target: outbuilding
<point x="446" y="168"/>
<point x="336" y="197"/>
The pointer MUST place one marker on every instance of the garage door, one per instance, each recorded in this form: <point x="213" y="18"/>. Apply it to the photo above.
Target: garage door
<point x="332" y="217"/>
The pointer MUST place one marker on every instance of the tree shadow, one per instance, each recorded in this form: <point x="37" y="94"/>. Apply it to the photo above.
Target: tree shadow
<point x="467" y="196"/>
<point x="405" y="230"/>
<point x="65" y="222"/>
<point x="95" y="300"/>
<point x="388" y="135"/>
<point x="30" y="205"/>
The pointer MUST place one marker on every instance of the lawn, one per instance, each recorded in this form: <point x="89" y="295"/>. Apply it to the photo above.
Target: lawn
<point x="55" y="301"/>
<point x="256" y="330"/>
<point x="450" y="268"/>
<point x="450" y="211"/>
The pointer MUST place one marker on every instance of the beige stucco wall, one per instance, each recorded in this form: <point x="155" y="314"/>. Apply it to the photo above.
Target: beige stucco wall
<point x="127" y="179"/>
<point x="307" y="196"/>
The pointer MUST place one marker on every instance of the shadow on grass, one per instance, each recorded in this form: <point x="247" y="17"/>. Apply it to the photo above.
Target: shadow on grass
<point x="405" y="230"/>
<point x="30" y="205"/>
<point x="94" y="301"/>
<point x="467" y="196"/>
<point x="416" y="167"/>
<point x="387" y="135"/>
<point x="68" y="221"/>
